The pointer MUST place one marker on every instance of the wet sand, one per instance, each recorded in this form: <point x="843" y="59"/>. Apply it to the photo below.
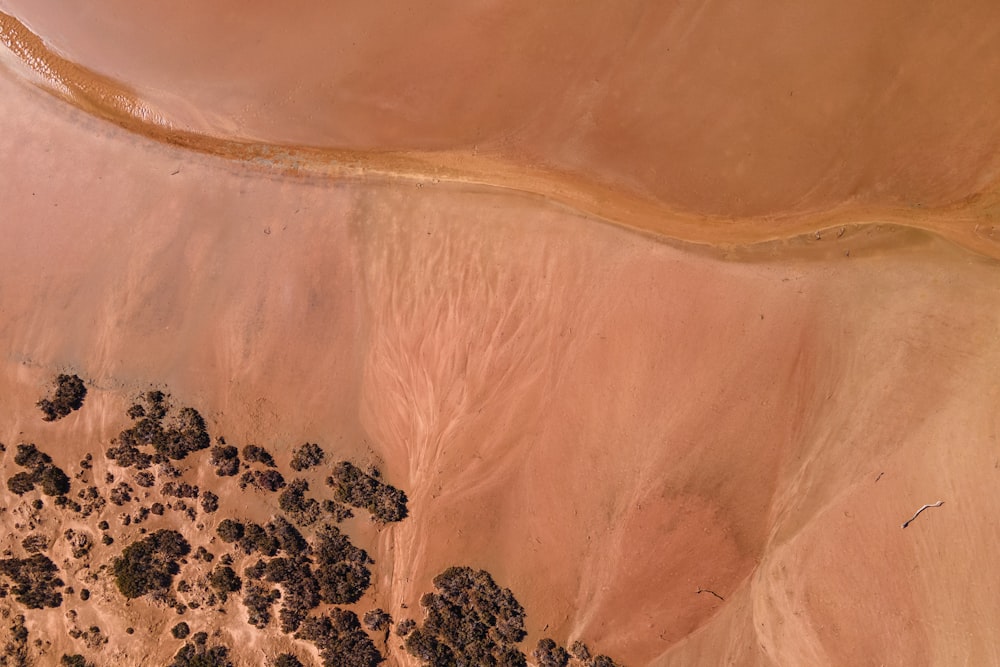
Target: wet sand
<point x="608" y="421"/>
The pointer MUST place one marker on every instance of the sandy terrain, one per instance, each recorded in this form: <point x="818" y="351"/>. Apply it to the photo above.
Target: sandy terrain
<point x="608" y="421"/>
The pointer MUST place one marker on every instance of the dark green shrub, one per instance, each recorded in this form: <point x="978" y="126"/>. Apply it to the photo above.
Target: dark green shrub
<point x="180" y="631"/>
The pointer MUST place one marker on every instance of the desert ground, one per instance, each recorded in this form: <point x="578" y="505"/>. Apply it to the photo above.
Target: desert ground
<point x="668" y="318"/>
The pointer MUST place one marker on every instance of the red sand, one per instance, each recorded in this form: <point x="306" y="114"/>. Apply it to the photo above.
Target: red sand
<point x="606" y="421"/>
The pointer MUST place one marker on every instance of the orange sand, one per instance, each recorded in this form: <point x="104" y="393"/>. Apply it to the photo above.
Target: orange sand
<point x="606" y="421"/>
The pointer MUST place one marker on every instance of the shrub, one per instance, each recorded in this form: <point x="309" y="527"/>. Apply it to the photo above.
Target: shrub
<point x="255" y="538"/>
<point x="35" y="543"/>
<point x="198" y="654"/>
<point x="35" y="580"/>
<point x="340" y="639"/>
<point x="74" y="660"/>
<point x="405" y="627"/>
<point x="550" y="654"/>
<point x="226" y="460"/>
<point x="258" y="600"/>
<point x="579" y="651"/>
<point x="470" y="620"/>
<point x="377" y="620"/>
<point x="21" y="483"/>
<point x="304" y="511"/>
<point x="353" y="487"/>
<point x="180" y="631"/>
<point x="149" y="564"/>
<point x="209" y="502"/>
<point x="229" y="530"/>
<point x="307" y="456"/>
<point x="69" y="394"/>
<point x="256" y="454"/>
<point x="287" y="660"/>
<point x="185" y="434"/>
<point x="225" y="580"/>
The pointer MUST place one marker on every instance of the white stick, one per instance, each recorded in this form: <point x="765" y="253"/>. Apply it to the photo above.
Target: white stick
<point x="937" y="504"/>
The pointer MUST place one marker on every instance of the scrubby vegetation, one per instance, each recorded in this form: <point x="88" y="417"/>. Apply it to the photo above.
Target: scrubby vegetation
<point x="41" y="472"/>
<point x="226" y="460"/>
<point x="198" y="654"/>
<point x="293" y="502"/>
<point x="257" y="454"/>
<point x="340" y="639"/>
<point x="68" y="396"/>
<point x="287" y="660"/>
<point x="341" y="570"/>
<point x="262" y="480"/>
<point x="35" y="581"/>
<point x="353" y="487"/>
<point x="377" y="620"/>
<point x="74" y="660"/>
<point x="307" y="456"/>
<point x="549" y="654"/>
<point x="469" y="621"/>
<point x="150" y="564"/>
<point x="175" y="439"/>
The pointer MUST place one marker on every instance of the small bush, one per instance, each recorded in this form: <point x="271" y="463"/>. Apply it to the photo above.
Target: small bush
<point x="256" y="454"/>
<point x="377" y="620"/>
<point x="69" y="394"/>
<point x="307" y="456"/>
<point x="549" y="654"/>
<point x="180" y="631"/>
<point x="358" y="489"/>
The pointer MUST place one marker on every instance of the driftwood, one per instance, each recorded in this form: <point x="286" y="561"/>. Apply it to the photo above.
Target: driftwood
<point x="937" y="504"/>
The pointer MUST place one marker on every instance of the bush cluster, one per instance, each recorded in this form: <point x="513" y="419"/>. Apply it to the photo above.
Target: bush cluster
<point x="307" y="456"/>
<point x="257" y="454"/>
<point x="226" y="460"/>
<point x="549" y="654"/>
<point x="69" y="394"/>
<point x="353" y="487"/>
<point x="262" y="480"/>
<point x="40" y="471"/>
<point x="341" y="567"/>
<point x="35" y="580"/>
<point x="470" y="620"/>
<point x="150" y="564"/>
<point x="198" y="654"/>
<point x="340" y="639"/>
<point x="293" y="502"/>
<point x="186" y="433"/>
